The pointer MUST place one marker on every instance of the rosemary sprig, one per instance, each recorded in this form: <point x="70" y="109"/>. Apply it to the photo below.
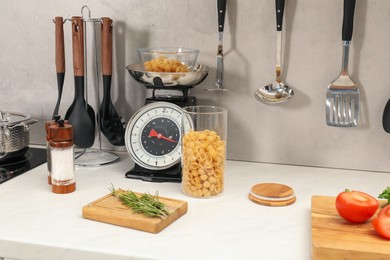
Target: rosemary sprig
<point x="146" y="204"/>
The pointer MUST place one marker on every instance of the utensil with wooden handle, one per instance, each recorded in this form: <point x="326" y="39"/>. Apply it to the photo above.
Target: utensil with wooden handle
<point x="342" y="96"/>
<point x="60" y="59"/>
<point x="110" y="122"/>
<point x="80" y="114"/>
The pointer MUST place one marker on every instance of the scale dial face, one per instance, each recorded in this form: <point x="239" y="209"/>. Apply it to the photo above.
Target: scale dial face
<point x="153" y="135"/>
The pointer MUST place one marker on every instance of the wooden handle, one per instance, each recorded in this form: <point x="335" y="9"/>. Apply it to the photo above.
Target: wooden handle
<point x="78" y="45"/>
<point x="107" y="45"/>
<point x="60" y="49"/>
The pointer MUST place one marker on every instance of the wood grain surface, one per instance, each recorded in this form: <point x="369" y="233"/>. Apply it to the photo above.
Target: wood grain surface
<point x="272" y="194"/>
<point x="272" y="190"/>
<point x="335" y="238"/>
<point x="109" y="209"/>
<point x="59" y="43"/>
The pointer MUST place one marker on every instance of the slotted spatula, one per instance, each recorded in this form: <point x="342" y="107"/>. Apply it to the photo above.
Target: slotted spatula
<point x="342" y="96"/>
<point x="110" y="122"/>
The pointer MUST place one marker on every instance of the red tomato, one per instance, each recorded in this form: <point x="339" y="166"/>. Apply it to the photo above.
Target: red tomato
<point x="356" y="206"/>
<point x="382" y="222"/>
<point x="385" y="211"/>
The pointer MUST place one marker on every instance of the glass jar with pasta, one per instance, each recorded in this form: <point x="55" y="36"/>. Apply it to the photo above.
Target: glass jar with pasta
<point x="203" y="150"/>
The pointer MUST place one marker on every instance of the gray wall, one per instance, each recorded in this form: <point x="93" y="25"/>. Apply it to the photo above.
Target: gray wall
<point x="293" y="133"/>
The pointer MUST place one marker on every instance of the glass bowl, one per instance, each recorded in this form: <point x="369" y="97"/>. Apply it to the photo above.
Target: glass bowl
<point x="185" y="58"/>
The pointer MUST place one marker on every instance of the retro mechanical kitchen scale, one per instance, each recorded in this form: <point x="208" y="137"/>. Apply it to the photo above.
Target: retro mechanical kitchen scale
<point x="153" y="134"/>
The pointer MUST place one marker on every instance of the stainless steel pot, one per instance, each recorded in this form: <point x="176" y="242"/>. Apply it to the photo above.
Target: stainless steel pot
<point x="14" y="134"/>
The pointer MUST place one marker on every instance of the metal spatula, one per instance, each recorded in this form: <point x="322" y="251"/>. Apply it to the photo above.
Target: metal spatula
<point x="221" y="13"/>
<point x="342" y="96"/>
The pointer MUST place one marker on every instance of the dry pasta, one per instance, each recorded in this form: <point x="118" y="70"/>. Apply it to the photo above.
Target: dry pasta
<point x="164" y="64"/>
<point x="203" y="160"/>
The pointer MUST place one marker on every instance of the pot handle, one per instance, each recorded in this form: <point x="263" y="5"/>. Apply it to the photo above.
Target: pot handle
<point x="26" y="123"/>
<point x="30" y="122"/>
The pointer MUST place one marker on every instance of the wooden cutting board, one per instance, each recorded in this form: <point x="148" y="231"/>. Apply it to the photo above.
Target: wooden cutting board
<point x="109" y="209"/>
<point x="335" y="238"/>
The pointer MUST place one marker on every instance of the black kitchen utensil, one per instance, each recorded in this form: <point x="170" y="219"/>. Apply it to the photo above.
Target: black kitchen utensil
<point x="386" y="117"/>
<point x="80" y="114"/>
<point x="60" y="60"/>
<point x="110" y="122"/>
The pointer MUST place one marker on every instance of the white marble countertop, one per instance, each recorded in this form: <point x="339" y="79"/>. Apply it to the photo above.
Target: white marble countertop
<point x="37" y="224"/>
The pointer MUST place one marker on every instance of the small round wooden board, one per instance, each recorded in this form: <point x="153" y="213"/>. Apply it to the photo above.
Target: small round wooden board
<point x="272" y="194"/>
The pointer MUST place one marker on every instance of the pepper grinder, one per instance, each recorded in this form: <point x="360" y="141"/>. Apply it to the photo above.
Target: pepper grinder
<point x="62" y="158"/>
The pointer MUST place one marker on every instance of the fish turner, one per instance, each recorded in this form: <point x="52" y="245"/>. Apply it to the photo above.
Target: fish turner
<point x="342" y="96"/>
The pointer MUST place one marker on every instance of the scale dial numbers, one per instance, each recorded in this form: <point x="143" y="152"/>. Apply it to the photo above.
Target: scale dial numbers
<point x="153" y="136"/>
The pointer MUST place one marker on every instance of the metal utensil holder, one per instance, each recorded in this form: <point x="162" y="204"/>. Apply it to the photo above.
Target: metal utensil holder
<point x="92" y="157"/>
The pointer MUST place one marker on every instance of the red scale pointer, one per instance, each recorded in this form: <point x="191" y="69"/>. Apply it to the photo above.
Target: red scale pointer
<point x="153" y="133"/>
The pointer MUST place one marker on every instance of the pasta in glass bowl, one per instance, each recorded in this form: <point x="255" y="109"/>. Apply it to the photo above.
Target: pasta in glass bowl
<point x="169" y="59"/>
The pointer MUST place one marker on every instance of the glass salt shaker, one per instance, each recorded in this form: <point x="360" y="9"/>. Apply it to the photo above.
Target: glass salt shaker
<point x="48" y="157"/>
<point x="62" y="158"/>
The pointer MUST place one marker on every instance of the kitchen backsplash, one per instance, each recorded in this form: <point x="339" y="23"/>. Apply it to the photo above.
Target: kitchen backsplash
<point x="292" y="133"/>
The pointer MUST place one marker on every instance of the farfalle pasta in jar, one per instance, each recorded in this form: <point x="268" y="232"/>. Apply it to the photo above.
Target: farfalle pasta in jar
<point x="204" y="151"/>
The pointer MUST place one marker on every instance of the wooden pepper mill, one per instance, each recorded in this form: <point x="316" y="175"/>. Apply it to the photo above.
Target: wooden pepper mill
<point x="62" y="158"/>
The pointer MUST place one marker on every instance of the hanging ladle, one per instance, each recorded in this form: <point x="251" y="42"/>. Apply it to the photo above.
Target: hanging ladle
<point x="276" y="92"/>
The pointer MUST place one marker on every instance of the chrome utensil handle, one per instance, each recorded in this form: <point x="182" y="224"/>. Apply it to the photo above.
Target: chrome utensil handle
<point x="344" y="62"/>
<point x="219" y="73"/>
<point x="279" y="4"/>
<point x="278" y="55"/>
<point x="349" y="10"/>
<point x="221" y="9"/>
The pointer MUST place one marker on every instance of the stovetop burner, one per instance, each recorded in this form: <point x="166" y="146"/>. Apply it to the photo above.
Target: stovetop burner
<point x="16" y="166"/>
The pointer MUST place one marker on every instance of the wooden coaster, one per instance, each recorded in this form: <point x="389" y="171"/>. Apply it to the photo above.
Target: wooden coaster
<point x="272" y="194"/>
